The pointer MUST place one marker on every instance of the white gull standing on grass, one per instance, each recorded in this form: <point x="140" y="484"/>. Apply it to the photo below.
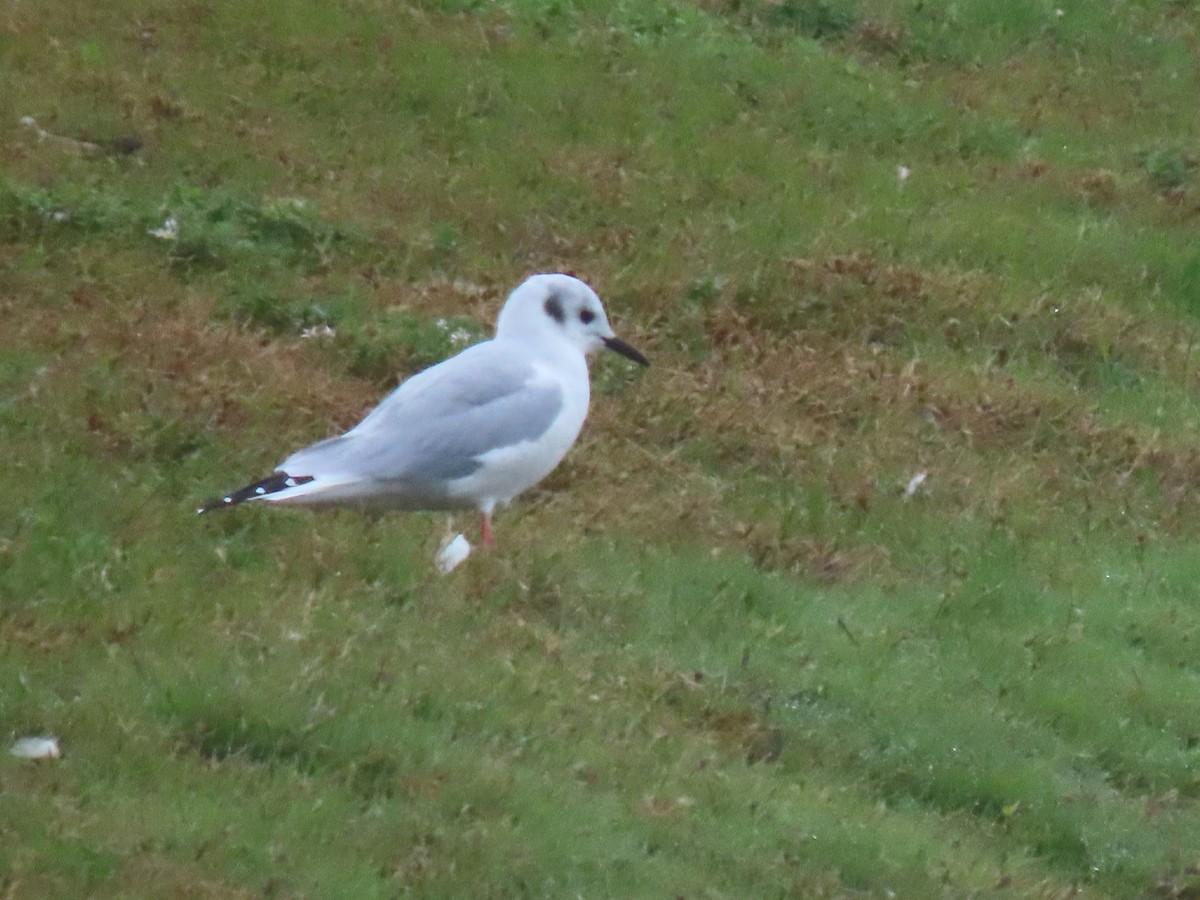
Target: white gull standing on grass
<point x="473" y="431"/>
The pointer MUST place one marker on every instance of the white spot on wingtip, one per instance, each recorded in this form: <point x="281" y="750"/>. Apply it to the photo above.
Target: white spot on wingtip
<point x="226" y="499"/>
<point x="260" y="491"/>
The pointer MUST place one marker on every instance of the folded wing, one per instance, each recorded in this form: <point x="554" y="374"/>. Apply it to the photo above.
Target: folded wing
<point x="429" y="432"/>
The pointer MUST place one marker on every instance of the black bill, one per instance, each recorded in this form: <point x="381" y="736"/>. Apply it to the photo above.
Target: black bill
<point x="619" y="346"/>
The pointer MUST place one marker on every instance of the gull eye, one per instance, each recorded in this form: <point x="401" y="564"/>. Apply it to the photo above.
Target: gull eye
<point x="586" y="316"/>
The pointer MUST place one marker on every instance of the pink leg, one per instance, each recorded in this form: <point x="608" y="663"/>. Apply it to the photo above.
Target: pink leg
<point x="489" y="539"/>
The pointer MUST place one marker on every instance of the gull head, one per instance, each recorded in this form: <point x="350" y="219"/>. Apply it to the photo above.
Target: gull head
<point x="563" y="311"/>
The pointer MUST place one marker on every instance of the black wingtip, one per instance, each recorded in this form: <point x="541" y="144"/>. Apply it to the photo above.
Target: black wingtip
<point x="279" y="481"/>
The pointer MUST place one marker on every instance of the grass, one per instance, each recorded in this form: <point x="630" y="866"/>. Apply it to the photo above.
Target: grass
<point x="722" y="652"/>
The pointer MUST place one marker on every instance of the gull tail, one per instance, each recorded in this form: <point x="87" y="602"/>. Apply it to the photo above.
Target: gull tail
<point x="273" y="484"/>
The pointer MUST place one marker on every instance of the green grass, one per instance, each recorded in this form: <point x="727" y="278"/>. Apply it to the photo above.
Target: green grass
<point x="719" y="653"/>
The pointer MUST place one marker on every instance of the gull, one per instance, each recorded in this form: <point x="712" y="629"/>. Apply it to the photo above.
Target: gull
<point x="474" y="430"/>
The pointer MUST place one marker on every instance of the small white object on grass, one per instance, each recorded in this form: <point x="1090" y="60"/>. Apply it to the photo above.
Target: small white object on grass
<point x="902" y="173"/>
<point x="168" y="231"/>
<point x="473" y="431"/>
<point x="36" y="748"/>
<point x="318" y="331"/>
<point x="454" y="553"/>
<point x="915" y="484"/>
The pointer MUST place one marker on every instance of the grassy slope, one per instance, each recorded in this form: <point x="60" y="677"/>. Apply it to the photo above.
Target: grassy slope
<point x="720" y="654"/>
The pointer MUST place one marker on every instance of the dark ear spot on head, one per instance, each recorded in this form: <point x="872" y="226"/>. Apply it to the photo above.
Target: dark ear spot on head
<point x="554" y="309"/>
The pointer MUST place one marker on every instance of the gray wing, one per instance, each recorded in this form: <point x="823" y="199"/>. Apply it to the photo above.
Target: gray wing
<point x="433" y="427"/>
